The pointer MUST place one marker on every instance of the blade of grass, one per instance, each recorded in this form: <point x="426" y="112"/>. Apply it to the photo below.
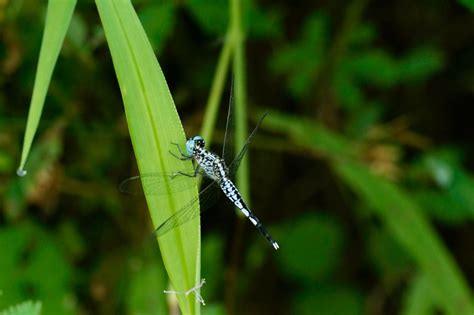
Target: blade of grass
<point x="419" y="297"/>
<point x="153" y="124"/>
<point x="404" y="219"/>
<point x="401" y="215"/>
<point x="236" y="36"/>
<point x="311" y="134"/>
<point x="215" y="95"/>
<point x="58" y="17"/>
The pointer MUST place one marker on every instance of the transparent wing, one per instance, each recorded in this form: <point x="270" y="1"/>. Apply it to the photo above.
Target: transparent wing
<point x="229" y="128"/>
<point x="236" y="162"/>
<point x="152" y="183"/>
<point x="207" y="198"/>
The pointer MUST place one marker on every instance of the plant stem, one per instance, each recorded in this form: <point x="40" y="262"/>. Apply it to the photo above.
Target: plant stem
<point x="240" y="98"/>
<point x="241" y="134"/>
<point x="215" y="95"/>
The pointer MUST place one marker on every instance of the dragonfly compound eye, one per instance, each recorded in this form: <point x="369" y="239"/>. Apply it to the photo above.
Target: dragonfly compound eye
<point x="190" y="146"/>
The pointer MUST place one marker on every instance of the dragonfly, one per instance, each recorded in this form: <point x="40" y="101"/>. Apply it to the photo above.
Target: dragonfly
<point x="206" y="164"/>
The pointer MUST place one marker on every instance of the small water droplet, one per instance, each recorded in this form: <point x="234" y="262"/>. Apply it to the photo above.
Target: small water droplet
<point x="21" y="172"/>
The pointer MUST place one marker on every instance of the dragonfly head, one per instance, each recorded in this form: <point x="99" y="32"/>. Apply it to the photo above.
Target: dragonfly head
<point x="193" y="143"/>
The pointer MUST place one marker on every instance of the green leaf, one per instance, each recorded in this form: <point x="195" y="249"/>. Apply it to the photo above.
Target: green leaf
<point x="58" y="17"/>
<point x="441" y="205"/>
<point x="420" y="64"/>
<point x="154" y="124"/>
<point x="310" y="134"/>
<point x="452" y="200"/>
<point x="31" y="259"/>
<point x="419" y="298"/>
<point x="25" y="308"/>
<point x="401" y="216"/>
<point x="375" y="67"/>
<point x="403" y="219"/>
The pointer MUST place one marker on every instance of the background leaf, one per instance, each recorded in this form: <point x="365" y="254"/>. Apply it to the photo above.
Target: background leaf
<point x="57" y="21"/>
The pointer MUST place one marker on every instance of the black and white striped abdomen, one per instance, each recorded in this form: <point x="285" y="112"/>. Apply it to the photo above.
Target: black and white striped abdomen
<point x="233" y="194"/>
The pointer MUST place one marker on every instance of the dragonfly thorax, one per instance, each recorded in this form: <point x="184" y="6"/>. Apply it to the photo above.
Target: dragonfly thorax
<point x="193" y="144"/>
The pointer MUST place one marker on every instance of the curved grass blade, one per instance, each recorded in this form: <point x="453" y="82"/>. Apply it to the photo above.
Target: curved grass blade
<point x="58" y="17"/>
<point x="404" y="220"/>
<point x="400" y="214"/>
<point x="154" y="124"/>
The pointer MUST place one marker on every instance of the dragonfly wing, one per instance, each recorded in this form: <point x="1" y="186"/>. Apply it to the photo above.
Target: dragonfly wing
<point x="154" y="183"/>
<point x="227" y="148"/>
<point x="207" y="197"/>
<point x="236" y="162"/>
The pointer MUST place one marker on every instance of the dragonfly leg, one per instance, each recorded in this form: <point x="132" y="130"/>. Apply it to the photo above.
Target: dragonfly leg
<point x="196" y="171"/>
<point x="183" y="156"/>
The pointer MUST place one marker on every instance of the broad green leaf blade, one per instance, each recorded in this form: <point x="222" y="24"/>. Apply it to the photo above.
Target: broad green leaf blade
<point x="153" y="124"/>
<point x="58" y="17"/>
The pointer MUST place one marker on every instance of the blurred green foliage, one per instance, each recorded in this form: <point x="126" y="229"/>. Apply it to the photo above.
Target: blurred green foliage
<point x="363" y="170"/>
<point x="28" y="256"/>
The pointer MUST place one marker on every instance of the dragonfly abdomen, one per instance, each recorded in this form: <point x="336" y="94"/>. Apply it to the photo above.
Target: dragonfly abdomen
<point x="233" y="194"/>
